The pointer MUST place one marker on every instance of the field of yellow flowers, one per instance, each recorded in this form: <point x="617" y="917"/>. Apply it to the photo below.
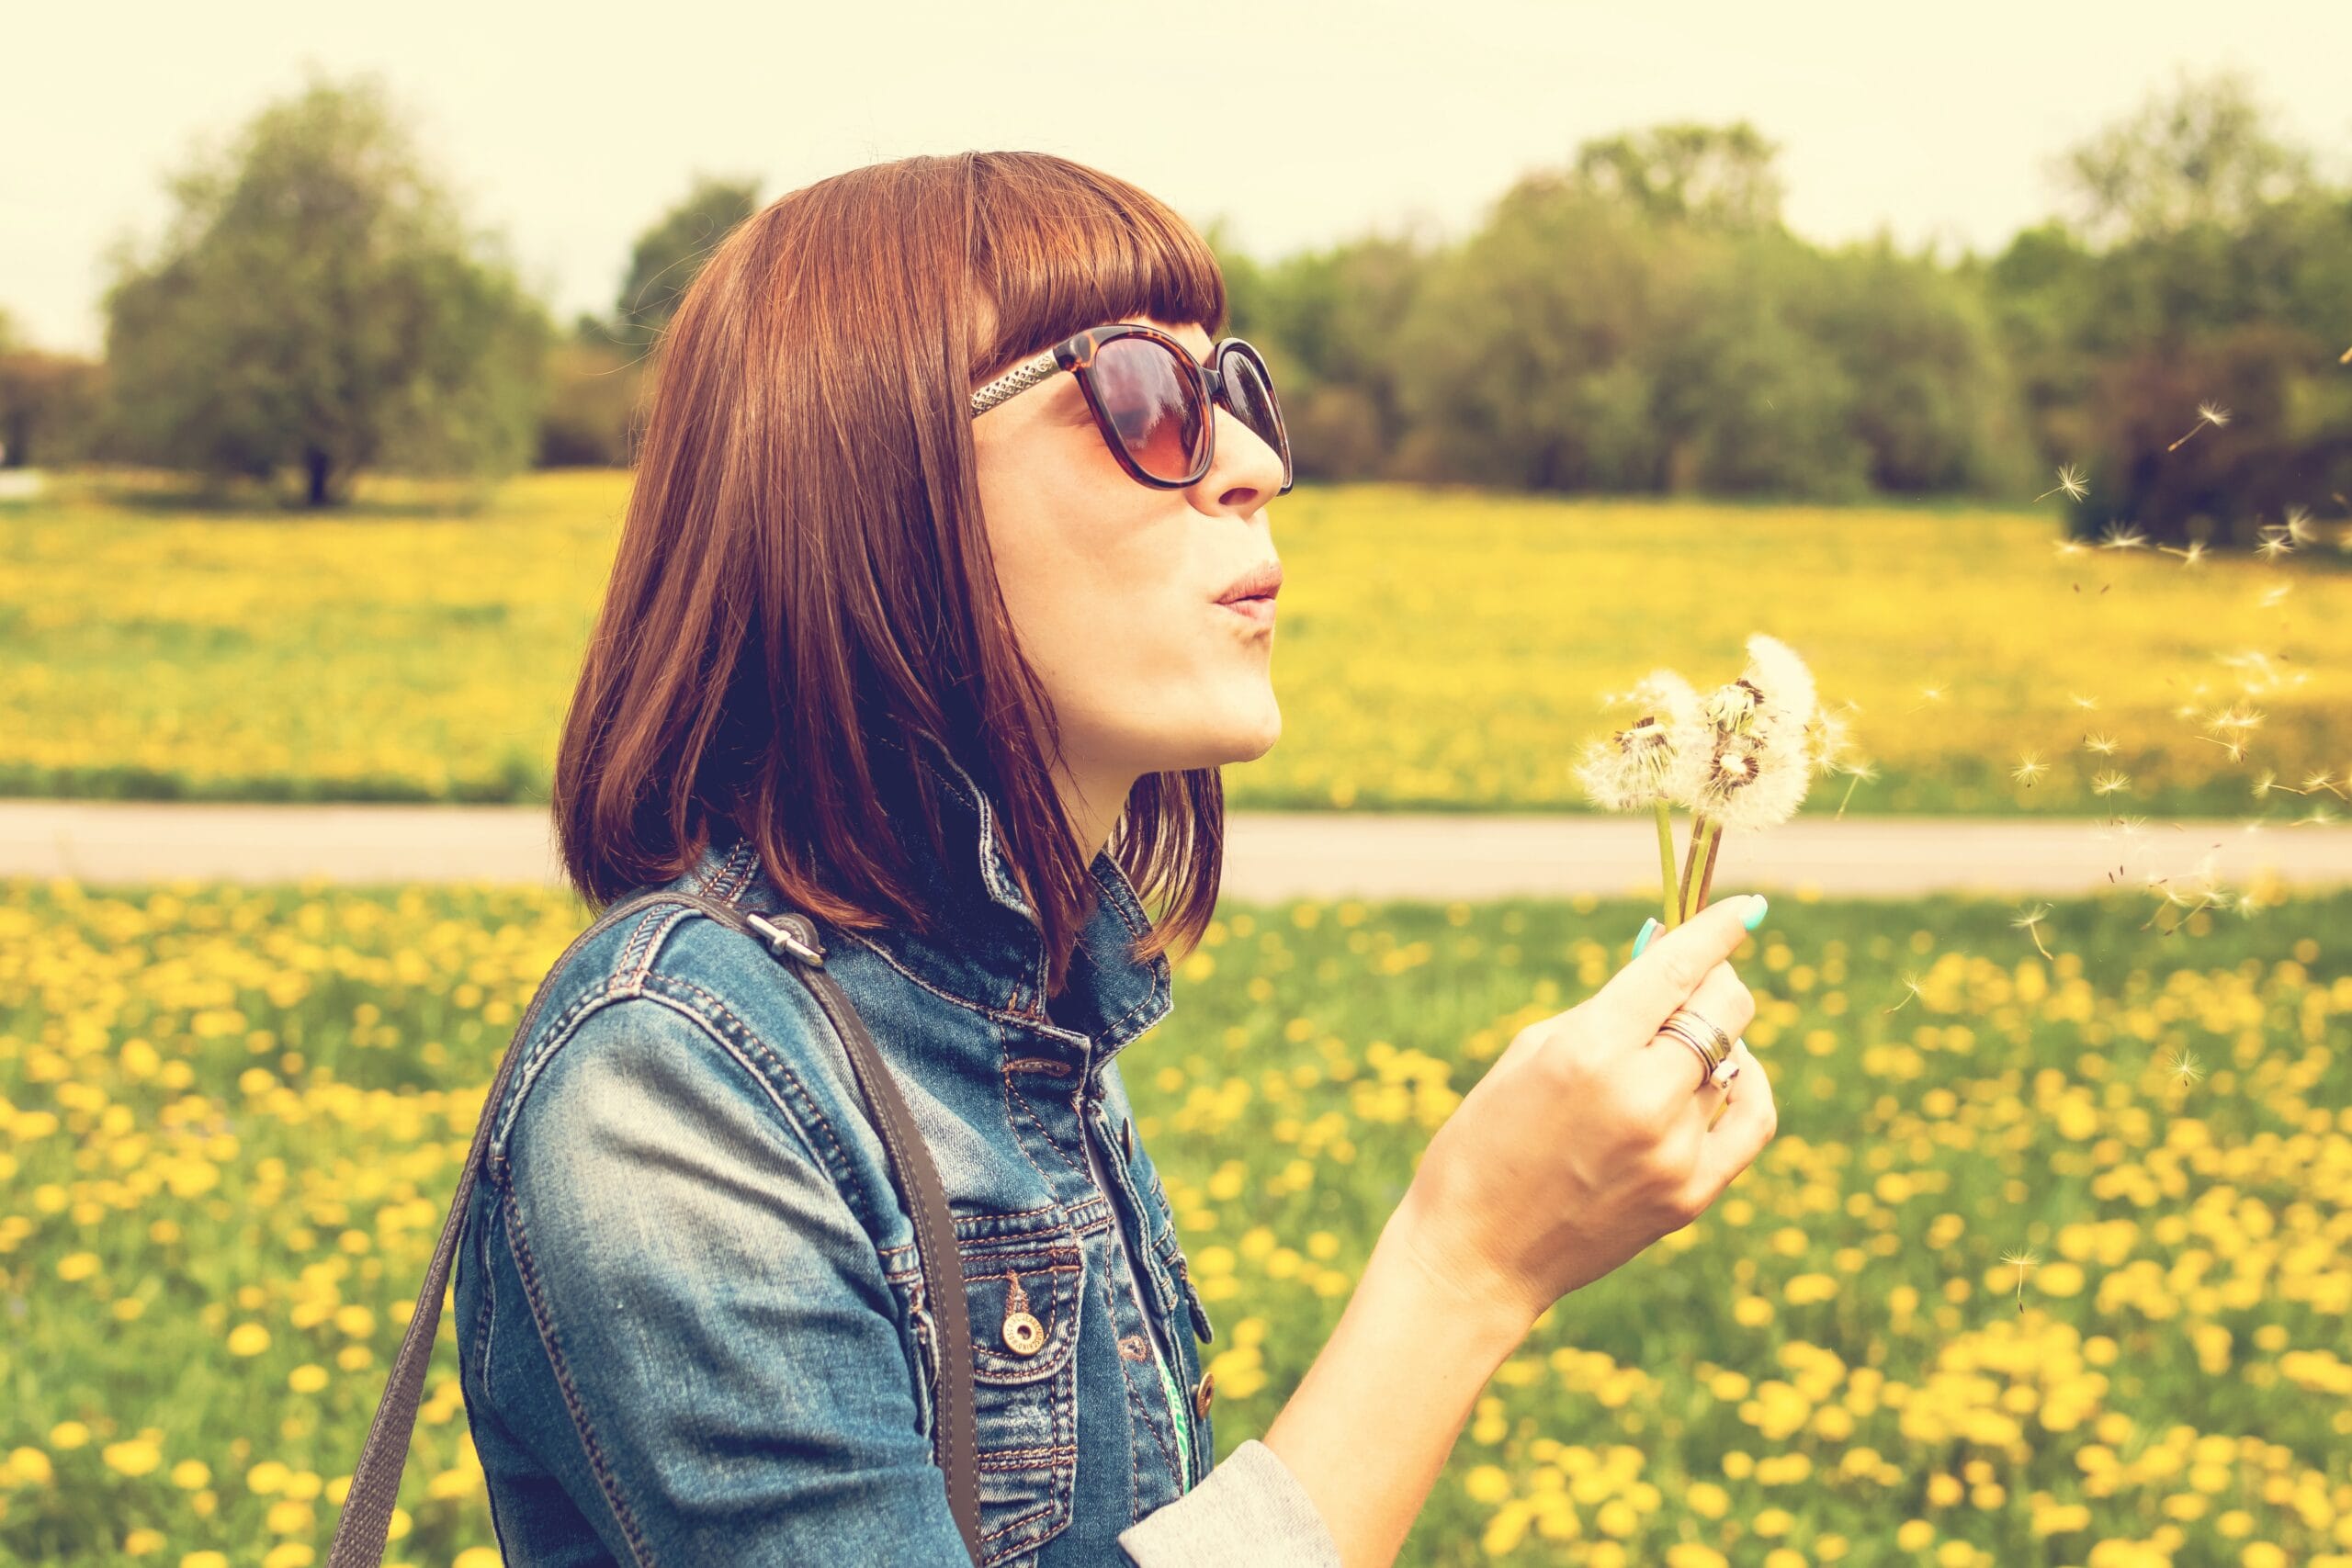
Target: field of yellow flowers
<point x="1437" y="649"/>
<point x="2048" y="1264"/>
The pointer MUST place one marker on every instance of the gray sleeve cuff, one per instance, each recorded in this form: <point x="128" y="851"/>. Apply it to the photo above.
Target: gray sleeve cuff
<point x="1247" y="1512"/>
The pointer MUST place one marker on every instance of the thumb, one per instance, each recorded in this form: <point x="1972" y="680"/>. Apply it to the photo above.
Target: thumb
<point x="1663" y="975"/>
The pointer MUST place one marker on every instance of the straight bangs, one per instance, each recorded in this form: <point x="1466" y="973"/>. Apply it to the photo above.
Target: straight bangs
<point x="803" y="587"/>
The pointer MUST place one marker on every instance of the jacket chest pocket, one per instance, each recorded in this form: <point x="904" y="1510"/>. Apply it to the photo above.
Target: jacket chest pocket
<point x="1022" y="1294"/>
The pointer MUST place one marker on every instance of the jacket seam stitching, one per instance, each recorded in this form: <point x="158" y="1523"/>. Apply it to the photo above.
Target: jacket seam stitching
<point x="550" y="1340"/>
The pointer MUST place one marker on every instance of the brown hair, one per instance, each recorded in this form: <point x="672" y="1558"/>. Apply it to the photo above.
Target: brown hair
<point x="804" y="569"/>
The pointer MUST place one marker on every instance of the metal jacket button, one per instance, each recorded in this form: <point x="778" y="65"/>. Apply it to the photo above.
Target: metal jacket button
<point x="1023" y="1335"/>
<point x="1202" y="1391"/>
<point x="1127" y="1138"/>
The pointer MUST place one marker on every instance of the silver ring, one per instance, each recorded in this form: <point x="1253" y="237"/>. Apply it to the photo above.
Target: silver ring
<point x="1720" y="1071"/>
<point x="1681" y="1030"/>
<point x="1723" y="1041"/>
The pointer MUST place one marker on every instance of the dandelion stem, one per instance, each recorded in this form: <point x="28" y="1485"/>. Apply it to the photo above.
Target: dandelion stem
<point x="1703" y="831"/>
<point x="1707" y="875"/>
<point x="1668" y="894"/>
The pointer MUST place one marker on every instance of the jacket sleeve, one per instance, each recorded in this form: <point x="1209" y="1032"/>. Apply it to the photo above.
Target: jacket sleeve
<point x="1250" y="1511"/>
<point x="715" y="1316"/>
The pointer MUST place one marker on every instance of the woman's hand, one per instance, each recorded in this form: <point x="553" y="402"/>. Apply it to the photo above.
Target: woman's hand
<point x="1588" y="1140"/>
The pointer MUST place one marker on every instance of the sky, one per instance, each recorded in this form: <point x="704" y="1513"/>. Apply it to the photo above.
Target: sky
<point x="1299" y="122"/>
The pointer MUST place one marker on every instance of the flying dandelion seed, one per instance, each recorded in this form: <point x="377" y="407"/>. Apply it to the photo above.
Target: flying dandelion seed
<point x="2299" y="525"/>
<point x="1932" y="693"/>
<point x="2102" y="744"/>
<point x="2207" y="413"/>
<point x="2121" y="537"/>
<point x="1863" y="774"/>
<point x="2189" y="557"/>
<point x="2029" y="768"/>
<point x="2070" y="479"/>
<point x="2021" y="1261"/>
<point x="1911" y="988"/>
<point x="2274" y="547"/>
<point x="2081" y="701"/>
<point x="2184" y="1068"/>
<point x="2069" y="546"/>
<point x="2109" y="781"/>
<point x="2030" y="923"/>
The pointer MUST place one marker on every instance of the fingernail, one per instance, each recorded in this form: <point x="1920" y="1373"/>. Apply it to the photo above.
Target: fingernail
<point x="1754" y="917"/>
<point x="1650" y="928"/>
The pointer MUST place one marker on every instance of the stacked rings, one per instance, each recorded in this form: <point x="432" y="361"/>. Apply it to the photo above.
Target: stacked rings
<point x="1714" y="1047"/>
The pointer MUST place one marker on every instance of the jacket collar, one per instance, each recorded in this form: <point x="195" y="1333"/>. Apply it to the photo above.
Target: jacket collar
<point x="990" y="953"/>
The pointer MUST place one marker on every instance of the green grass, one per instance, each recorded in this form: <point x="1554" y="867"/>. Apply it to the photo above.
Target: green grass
<point x="1438" y="649"/>
<point x="246" y="1106"/>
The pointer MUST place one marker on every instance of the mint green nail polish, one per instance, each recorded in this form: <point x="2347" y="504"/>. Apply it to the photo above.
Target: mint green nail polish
<point x="1756" y="916"/>
<point x="1650" y="928"/>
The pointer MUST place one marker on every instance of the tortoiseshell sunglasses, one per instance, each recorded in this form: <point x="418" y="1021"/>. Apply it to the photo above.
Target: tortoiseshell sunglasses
<point x="1151" y="398"/>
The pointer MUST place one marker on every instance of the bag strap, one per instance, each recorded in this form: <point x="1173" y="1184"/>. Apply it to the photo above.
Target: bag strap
<point x="365" y="1523"/>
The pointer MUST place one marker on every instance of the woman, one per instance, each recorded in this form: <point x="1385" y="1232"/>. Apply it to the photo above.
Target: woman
<point x="917" y="627"/>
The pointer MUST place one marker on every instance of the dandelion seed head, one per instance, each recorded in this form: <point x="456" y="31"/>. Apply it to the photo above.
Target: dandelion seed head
<point x="2213" y="414"/>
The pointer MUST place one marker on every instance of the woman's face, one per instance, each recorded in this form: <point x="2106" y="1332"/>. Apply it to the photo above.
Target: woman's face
<point x="1113" y="587"/>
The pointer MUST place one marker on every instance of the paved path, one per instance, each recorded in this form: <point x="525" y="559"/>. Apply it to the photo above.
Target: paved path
<point x="1269" y="854"/>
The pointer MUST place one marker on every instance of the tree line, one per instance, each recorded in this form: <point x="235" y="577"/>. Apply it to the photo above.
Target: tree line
<point x="1638" y="320"/>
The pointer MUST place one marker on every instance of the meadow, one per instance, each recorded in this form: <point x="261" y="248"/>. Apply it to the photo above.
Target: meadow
<point x="2048" y="1264"/>
<point x="1437" y="649"/>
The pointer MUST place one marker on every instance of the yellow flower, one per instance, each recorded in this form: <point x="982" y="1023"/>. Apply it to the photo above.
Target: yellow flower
<point x="31" y="1466"/>
<point x="141" y="1541"/>
<point x="476" y="1557"/>
<point x="134" y="1456"/>
<point x="308" y="1378"/>
<point x="68" y="1435"/>
<point x="248" y="1339"/>
<point x="191" y="1474"/>
<point x="2059" y="1279"/>
<point x="77" y="1266"/>
<point x="289" y="1554"/>
<point x="204" y="1559"/>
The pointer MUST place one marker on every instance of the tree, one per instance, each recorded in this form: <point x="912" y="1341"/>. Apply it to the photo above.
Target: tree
<point x="1714" y="175"/>
<point x="2208" y="266"/>
<point x="670" y="253"/>
<point x="2200" y="153"/>
<point x="317" y="301"/>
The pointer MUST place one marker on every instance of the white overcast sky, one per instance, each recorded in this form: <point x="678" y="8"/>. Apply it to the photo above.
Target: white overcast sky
<point x="1303" y="121"/>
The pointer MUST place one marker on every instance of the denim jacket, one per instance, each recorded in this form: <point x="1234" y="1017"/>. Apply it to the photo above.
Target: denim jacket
<point x="688" y="1301"/>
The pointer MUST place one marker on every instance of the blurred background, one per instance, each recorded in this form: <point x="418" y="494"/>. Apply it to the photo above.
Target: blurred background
<point x="2001" y="364"/>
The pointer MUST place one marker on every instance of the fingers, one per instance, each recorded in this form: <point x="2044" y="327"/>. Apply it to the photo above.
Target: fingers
<point x="1668" y="972"/>
<point x="1748" y="1123"/>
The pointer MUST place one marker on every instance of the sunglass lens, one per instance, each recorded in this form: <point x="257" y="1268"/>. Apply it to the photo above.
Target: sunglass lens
<point x="1253" y="402"/>
<point x="1154" y="404"/>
